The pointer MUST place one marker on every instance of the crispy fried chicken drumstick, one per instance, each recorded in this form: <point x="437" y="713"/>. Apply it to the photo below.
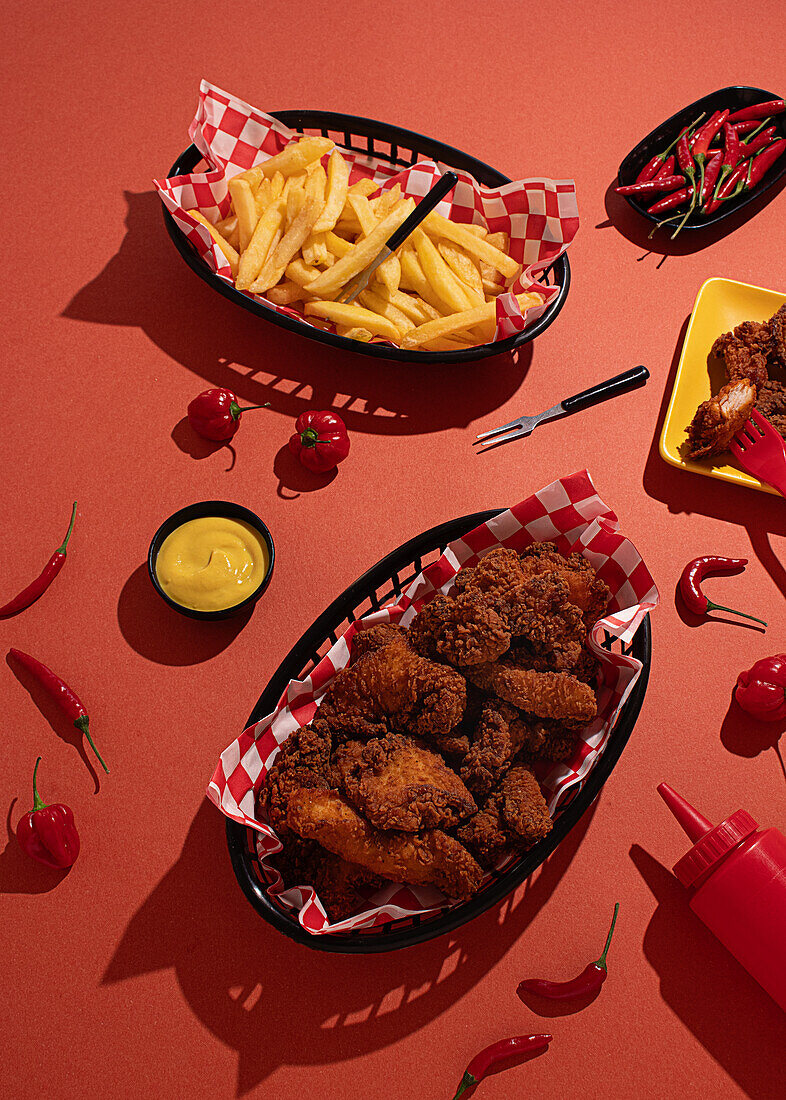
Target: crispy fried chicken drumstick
<point x="428" y="858"/>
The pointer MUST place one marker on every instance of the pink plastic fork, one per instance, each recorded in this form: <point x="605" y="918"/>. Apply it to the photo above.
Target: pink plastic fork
<point x="761" y="451"/>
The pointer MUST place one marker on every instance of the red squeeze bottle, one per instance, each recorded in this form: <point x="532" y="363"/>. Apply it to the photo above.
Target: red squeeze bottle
<point x="736" y="875"/>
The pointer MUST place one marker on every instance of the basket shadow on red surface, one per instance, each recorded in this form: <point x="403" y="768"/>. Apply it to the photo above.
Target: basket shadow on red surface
<point x="162" y="635"/>
<point x="732" y="1017"/>
<point x="147" y="285"/>
<point x="637" y="229"/>
<point x="241" y="978"/>
<point x="761" y="514"/>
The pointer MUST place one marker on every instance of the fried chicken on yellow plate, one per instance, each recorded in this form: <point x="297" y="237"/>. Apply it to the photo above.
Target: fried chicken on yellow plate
<point x="396" y="783"/>
<point x="745" y="352"/>
<point x="771" y="403"/>
<point x="719" y="419"/>
<point x="430" y="858"/>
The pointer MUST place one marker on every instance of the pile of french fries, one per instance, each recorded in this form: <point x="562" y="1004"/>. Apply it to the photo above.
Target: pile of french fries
<point x="298" y="232"/>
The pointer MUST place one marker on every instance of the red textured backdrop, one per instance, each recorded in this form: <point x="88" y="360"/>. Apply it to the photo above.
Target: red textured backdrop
<point x="144" y="972"/>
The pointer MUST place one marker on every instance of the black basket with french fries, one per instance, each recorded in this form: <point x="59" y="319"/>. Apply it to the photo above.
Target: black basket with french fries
<point x="433" y="301"/>
<point x="382" y="584"/>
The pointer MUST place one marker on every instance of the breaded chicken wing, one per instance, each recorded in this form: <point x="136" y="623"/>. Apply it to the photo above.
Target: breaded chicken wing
<point x="720" y="418"/>
<point x="396" y="783"/>
<point x="544" y="694"/>
<point x="585" y="590"/>
<point x="501" y="733"/>
<point x="428" y="858"/>
<point x="514" y="814"/>
<point x="463" y="630"/>
<point x="392" y="687"/>
<point x="303" y="761"/>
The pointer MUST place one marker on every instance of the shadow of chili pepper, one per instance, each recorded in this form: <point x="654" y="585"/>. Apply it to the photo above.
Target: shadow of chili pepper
<point x="60" y="722"/>
<point x="544" y="1006"/>
<point x="191" y="443"/>
<point x="292" y="474"/>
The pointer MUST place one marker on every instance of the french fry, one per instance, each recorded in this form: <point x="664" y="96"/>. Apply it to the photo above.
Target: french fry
<point x="382" y="204"/>
<point x="385" y="308"/>
<point x="294" y="183"/>
<point x="337" y="245"/>
<point x="363" y="252"/>
<point x="478" y="230"/>
<point x="253" y="258"/>
<point x="461" y="264"/>
<point x="252" y="176"/>
<point x="295" y="199"/>
<point x="229" y="231"/>
<point x="447" y="343"/>
<point x="225" y="246"/>
<point x="361" y="334"/>
<point x="499" y="240"/>
<point x="315" y="250"/>
<point x="300" y="272"/>
<point x="458" y="322"/>
<point x="478" y="247"/>
<point x="389" y="272"/>
<point x="297" y="156"/>
<point x="363" y="186"/>
<point x="409" y="306"/>
<point x="442" y="280"/>
<point x="413" y="278"/>
<point x="354" y="317"/>
<point x="286" y="293"/>
<point x="335" y="192"/>
<point x="287" y="247"/>
<point x="363" y="212"/>
<point x="245" y="208"/>
<point x="276" y="186"/>
<point x="263" y="196"/>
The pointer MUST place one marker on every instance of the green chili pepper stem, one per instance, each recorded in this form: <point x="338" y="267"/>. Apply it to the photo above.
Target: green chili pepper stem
<point x="38" y="802"/>
<point x="601" y="962"/>
<point x="732" y="611"/>
<point x="753" y="133"/>
<point x="309" y="438"/>
<point x="686" y="130"/>
<point x="467" y="1081"/>
<point x="82" y="724"/>
<point x="235" y="410"/>
<point x="62" y="549"/>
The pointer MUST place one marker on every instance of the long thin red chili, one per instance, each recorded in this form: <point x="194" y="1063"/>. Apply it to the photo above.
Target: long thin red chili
<point x="662" y="183"/>
<point x="589" y="980"/>
<point x="61" y="693"/>
<point x="37" y="587"/>
<point x="695" y="572"/>
<point x="496" y="1053"/>
<point x="671" y="202"/>
<point x="762" y="163"/>
<point x="653" y="167"/>
<point x="758" y="110"/>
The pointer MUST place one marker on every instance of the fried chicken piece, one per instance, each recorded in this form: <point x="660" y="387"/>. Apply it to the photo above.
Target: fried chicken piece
<point x="453" y="745"/>
<point x="585" y="669"/>
<point x="585" y="590"/>
<point x="718" y="419"/>
<point x="514" y="814"/>
<point x="544" y="694"/>
<point x="303" y="761"/>
<point x="462" y="630"/>
<point x="745" y="352"/>
<point x="778" y="330"/>
<point x="392" y="687"/>
<point x="536" y="607"/>
<point x="771" y="403"/>
<point x="396" y="783"/>
<point x="374" y="637"/>
<point x="501" y="733"/>
<point x="337" y="883"/>
<point x="558" y="741"/>
<point x="428" y="858"/>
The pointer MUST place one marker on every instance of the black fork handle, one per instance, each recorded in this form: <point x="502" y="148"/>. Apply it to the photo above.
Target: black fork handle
<point x="437" y="193"/>
<point x="636" y="376"/>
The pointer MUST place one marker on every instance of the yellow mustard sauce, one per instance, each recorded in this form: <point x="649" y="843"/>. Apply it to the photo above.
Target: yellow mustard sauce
<point x="212" y="563"/>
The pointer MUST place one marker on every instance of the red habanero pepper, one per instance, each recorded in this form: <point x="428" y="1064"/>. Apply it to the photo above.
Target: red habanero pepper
<point x="37" y="587"/>
<point x="61" y="693"/>
<point x="487" y="1059"/>
<point x="47" y="833"/>
<point x="215" y="414"/>
<point x="762" y="163"/>
<point x="664" y="183"/>
<point x="761" y="690"/>
<point x="758" y="110"/>
<point x="671" y="202"/>
<point x="692" y="576"/>
<point x="589" y="980"/>
<point x="320" y="441"/>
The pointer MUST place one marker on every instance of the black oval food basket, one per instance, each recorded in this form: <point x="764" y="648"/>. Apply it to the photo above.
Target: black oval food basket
<point x="402" y="148"/>
<point x="381" y="585"/>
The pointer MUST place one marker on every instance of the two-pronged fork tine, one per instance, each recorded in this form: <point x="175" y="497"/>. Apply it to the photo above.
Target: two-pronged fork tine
<point x="637" y="376"/>
<point x="761" y="451"/>
<point x="441" y="188"/>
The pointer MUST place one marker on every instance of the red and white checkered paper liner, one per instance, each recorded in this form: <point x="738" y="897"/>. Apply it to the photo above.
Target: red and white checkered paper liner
<point x="568" y="512"/>
<point x="540" y="215"/>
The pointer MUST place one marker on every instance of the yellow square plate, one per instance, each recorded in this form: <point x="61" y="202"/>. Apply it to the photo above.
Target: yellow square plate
<point x="721" y="305"/>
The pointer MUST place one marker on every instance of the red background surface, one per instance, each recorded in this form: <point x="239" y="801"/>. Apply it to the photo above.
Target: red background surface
<point x="144" y="972"/>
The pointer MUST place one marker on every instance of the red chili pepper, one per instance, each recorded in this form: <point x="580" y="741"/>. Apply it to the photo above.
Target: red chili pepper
<point x="744" y="127"/>
<point x="670" y="202"/>
<point x="496" y="1053"/>
<point x="761" y="690"/>
<point x="727" y="190"/>
<point x="37" y="587"/>
<point x="61" y="693"/>
<point x="758" y="110"/>
<point x="320" y="441"/>
<point x="760" y="141"/>
<point x="589" y="980"/>
<point x="710" y="177"/>
<point x="47" y="833"/>
<point x="652" y="167"/>
<point x="215" y="414"/>
<point x="731" y="153"/>
<point x="698" y="136"/>
<point x="695" y="572"/>
<point x="668" y="168"/>
<point x="666" y="183"/>
<point x="762" y="163"/>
